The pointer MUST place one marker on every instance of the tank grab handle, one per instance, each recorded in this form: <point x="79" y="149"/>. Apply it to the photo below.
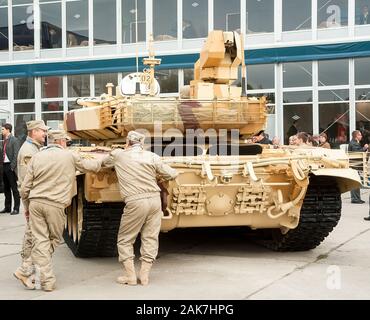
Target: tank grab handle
<point x="206" y="170"/>
<point x="284" y="207"/>
<point x="248" y="169"/>
<point x="169" y="217"/>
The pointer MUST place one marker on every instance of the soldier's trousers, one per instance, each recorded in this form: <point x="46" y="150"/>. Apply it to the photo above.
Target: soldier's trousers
<point x="356" y="195"/>
<point x="47" y="225"/>
<point x="140" y="216"/>
<point x="27" y="267"/>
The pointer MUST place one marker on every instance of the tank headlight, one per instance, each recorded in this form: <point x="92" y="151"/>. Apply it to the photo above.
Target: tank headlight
<point x="226" y="178"/>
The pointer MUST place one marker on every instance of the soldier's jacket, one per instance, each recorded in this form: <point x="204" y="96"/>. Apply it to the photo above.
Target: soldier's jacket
<point x="137" y="170"/>
<point x="29" y="148"/>
<point x="51" y="174"/>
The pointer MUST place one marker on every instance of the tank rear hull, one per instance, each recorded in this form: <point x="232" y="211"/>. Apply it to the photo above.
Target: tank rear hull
<point x="285" y="191"/>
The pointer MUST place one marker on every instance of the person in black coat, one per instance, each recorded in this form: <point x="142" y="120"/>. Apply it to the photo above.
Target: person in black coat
<point x="364" y="18"/>
<point x="355" y="145"/>
<point x="9" y="153"/>
<point x="293" y="130"/>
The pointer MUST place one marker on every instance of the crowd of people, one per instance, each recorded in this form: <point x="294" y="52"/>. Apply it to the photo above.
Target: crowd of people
<point x="298" y="139"/>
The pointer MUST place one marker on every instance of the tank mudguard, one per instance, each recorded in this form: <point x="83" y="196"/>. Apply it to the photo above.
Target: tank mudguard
<point x="347" y="179"/>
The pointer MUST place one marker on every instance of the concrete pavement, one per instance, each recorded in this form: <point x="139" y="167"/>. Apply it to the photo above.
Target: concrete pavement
<point x="210" y="264"/>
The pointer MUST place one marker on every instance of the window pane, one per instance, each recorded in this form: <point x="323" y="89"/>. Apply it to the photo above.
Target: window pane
<point x="362" y="12"/>
<point x="257" y="9"/>
<point x="301" y="112"/>
<point x="362" y="71"/>
<point x="296" y="15"/>
<point x="4" y="44"/>
<point x="188" y="76"/>
<point x="24" y="88"/>
<point x="270" y="97"/>
<point x="334" y="120"/>
<point x="51" y="25"/>
<point x="78" y="85"/>
<point x="105" y="22"/>
<point x="297" y="96"/>
<point x="297" y="74"/>
<point x="165" y="20"/>
<point x="227" y="15"/>
<point x="72" y="105"/>
<point x="333" y="72"/>
<point x="52" y="87"/>
<point x="23" y="35"/>
<point x="363" y="94"/>
<point x="52" y="106"/>
<point x="22" y="1"/>
<point x="168" y="80"/>
<point x="334" y="95"/>
<point x="20" y="130"/>
<point x="363" y="120"/>
<point x="101" y="80"/>
<point x="3" y="90"/>
<point x="128" y="21"/>
<point x="195" y="19"/>
<point x="331" y="14"/>
<point x="260" y="76"/>
<point x="52" y="117"/>
<point x="77" y="23"/>
<point x="24" y="107"/>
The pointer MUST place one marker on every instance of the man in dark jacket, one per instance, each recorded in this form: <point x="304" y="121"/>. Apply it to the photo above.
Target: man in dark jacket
<point x="354" y="145"/>
<point x="293" y="130"/>
<point x="9" y="153"/>
<point x="261" y="138"/>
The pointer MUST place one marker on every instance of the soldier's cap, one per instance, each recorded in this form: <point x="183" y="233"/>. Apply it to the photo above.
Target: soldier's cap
<point x="58" y="134"/>
<point x="135" y="137"/>
<point x="36" y="124"/>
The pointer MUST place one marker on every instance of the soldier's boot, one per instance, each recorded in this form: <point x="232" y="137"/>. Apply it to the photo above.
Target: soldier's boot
<point x="26" y="269"/>
<point x="130" y="274"/>
<point x="27" y="281"/>
<point x="144" y="272"/>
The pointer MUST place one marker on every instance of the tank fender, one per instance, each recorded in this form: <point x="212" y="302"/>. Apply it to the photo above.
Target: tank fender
<point x="347" y="179"/>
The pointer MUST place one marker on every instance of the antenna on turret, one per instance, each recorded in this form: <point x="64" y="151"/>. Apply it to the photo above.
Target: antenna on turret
<point x="151" y="61"/>
<point x="137" y="85"/>
<point x="244" y="69"/>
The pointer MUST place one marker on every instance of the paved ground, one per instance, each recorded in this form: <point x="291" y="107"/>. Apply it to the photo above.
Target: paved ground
<point x="210" y="264"/>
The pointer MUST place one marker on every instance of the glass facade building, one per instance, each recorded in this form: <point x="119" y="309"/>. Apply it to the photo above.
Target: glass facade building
<point x="311" y="58"/>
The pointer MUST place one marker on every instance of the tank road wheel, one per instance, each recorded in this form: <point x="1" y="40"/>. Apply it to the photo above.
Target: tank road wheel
<point x="91" y="229"/>
<point x="320" y="213"/>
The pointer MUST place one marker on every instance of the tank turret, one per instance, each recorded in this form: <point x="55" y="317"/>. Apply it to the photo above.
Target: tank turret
<point x="210" y="102"/>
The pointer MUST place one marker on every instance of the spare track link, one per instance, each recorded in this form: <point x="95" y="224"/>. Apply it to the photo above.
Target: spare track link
<point x="320" y="213"/>
<point x="99" y="231"/>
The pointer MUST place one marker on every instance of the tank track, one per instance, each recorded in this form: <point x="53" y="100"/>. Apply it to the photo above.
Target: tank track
<point x="99" y="231"/>
<point x="320" y="213"/>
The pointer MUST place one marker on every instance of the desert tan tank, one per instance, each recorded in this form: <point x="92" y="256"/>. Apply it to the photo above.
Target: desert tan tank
<point x="293" y="194"/>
